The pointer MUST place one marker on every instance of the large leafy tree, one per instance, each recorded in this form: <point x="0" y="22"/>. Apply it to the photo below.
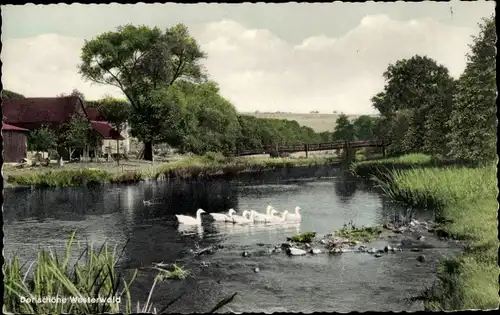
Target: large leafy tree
<point x="395" y="128"/>
<point x="212" y="123"/>
<point x="308" y="135"/>
<point x="249" y="138"/>
<point x="42" y="139"/>
<point x="344" y="129"/>
<point x="364" y="127"/>
<point x="325" y="137"/>
<point x="473" y="121"/>
<point x="257" y="133"/>
<point x="167" y="108"/>
<point x="422" y="89"/>
<point x="78" y="134"/>
<point x="142" y="62"/>
<point x="74" y="92"/>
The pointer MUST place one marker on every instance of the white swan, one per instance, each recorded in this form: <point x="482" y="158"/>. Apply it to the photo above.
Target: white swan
<point x="187" y="220"/>
<point x="273" y="213"/>
<point x="245" y="214"/>
<point x="222" y="216"/>
<point x="243" y="219"/>
<point x="294" y="216"/>
<point x="269" y="209"/>
<point x="258" y="217"/>
<point x="276" y="219"/>
<point x="276" y="212"/>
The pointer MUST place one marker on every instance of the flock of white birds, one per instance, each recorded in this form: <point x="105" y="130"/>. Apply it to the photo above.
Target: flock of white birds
<point x="248" y="216"/>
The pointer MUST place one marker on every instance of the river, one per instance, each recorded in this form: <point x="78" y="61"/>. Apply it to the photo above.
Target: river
<point x="343" y="283"/>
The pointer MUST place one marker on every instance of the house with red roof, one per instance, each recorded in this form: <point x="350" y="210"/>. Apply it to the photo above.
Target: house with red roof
<point x="32" y="113"/>
<point x="98" y="121"/>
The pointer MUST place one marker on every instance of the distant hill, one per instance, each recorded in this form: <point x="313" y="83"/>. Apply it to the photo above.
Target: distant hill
<point x="318" y="122"/>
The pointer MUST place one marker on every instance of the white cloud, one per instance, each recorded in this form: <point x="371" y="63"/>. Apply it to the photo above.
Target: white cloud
<point x="257" y="70"/>
<point x="316" y="43"/>
<point x="45" y="66"/>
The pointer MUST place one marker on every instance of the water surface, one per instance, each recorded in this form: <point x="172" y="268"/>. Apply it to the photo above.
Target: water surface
<point x="347" y="282"/>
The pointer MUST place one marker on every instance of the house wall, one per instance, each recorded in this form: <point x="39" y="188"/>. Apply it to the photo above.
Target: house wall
<point x="15" y="146"/>
<point x="111" y="144"/>
<point x="124" y="144"/>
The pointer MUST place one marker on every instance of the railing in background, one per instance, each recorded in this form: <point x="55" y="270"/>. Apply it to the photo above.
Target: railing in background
<point x="315" y="147"/>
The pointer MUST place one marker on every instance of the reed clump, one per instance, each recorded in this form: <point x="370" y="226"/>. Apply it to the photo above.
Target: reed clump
<point x="128" y="177"/>
<point x="94" y="277"/>
<point x="360" y="234"/>
<point x="306" y="237"/>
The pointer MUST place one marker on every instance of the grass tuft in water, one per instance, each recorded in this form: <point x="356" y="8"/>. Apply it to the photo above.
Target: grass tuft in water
<point x="177" y="274"/>
<point x="362" y="234"/>
<point x="306" y="237"/>
<point x="128" y="177"/>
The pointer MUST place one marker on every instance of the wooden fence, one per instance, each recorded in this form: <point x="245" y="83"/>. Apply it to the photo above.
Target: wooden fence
<point x="314" y="147"/>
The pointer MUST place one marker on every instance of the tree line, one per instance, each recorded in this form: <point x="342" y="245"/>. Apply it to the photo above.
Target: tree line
<point x="424" y="109"/>
<point x="170" y="100"/>
<point x="183" y="109"/>
<point x="194" y="118"/>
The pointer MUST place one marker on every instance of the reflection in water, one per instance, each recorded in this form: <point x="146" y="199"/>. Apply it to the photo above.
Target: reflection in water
<point x="346" y="187"/>
<point x="117" y="213"/>
<point x="191" y="229"/>
<point x="279" y="228"/>
<point x="128" y="207"/>
<point x="230" y="230"/>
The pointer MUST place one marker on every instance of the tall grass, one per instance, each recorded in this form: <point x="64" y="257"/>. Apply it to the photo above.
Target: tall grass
<point x="93" y="275"/>
<point x="212" y="165"/>
<point x="383" y="166"/>
<point x="64" y="178"/>
<point x="465" y="200"/>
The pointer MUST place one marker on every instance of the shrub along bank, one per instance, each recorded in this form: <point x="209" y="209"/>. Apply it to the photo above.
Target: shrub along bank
<point x="207" y="166"/>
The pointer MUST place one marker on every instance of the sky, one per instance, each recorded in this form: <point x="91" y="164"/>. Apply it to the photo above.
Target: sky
<point x="293" y="57"/>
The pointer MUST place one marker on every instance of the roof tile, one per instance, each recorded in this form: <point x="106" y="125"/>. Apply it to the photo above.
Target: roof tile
<point x="106" y="130"/>
<point x="6" y="126"/>
<point x="46" y="109"/>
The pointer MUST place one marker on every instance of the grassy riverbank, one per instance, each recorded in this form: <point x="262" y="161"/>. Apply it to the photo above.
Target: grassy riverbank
<point x="208" y="166"/>
<point x="382" y="166"/>
<point x="94" y="274"/>
<point x="465" y="203"/>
